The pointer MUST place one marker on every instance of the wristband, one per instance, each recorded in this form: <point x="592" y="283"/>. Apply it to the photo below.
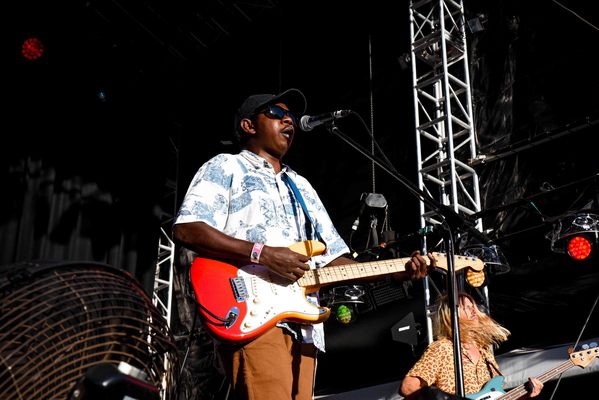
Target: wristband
<point x="256" y="251"/>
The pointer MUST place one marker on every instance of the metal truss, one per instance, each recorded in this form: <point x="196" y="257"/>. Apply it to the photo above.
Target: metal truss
<point x="163" y="291"/>
<point x="162" y="296"/>
<point x="445" y="134"/>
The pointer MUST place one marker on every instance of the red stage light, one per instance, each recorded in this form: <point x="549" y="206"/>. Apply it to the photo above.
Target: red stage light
<point x="579" y="247"/>
<point x="32" y="48"/>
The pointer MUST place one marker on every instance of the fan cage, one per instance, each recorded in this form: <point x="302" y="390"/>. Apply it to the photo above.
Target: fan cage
<point x="58" y="320"/>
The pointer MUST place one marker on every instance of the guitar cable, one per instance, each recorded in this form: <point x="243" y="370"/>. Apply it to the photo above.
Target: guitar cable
<point x="189" y="339"/>
<point x="224" y="321"/>
<point x="193" y="327"/>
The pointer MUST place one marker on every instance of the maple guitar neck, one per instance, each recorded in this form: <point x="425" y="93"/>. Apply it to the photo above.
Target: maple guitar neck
<point x="339" y="273"/>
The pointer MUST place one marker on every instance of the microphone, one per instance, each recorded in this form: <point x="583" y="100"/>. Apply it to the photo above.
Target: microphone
<point x="307" y="123"/>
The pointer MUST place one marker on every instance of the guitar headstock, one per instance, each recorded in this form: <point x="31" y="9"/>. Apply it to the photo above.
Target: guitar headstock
<point x="475" y="275"/>
<point x="459" y="262"/>
<point x="585" y="356"/>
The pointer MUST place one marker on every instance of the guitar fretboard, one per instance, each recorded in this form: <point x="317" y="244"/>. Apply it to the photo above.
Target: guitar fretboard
<point x="520" y="391"/>
<point x="340" y="273"/>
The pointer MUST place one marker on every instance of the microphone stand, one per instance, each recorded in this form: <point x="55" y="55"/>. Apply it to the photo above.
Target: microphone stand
<point x="452" y="221"/>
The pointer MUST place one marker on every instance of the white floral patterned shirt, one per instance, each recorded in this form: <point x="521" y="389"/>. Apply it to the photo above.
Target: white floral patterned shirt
<point x="242" y="196"/>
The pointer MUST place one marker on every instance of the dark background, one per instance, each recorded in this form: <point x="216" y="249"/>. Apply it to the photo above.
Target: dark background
<point x="135" y="96"/>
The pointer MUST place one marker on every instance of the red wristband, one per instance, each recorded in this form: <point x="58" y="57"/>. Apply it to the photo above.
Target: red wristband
<point x="256" y="251"/>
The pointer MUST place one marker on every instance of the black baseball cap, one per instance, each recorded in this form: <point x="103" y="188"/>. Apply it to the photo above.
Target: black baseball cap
<point x="293" y="98"/>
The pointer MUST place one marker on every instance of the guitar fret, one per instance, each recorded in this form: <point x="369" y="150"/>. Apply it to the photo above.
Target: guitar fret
<point x="342" y="273"/>
<point x="346" y="272"/>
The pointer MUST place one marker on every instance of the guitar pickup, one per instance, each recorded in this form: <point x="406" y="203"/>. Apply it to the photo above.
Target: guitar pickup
<point x="239" y="289"/>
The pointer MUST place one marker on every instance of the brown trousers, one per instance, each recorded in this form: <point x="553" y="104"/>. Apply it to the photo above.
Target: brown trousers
<point x="274" y="366"/>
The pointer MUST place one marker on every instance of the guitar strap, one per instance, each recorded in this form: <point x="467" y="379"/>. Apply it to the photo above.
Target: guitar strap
<point x="298" y="196"/>
<point x="310" y="227"/>
<point x="491" y="367"/>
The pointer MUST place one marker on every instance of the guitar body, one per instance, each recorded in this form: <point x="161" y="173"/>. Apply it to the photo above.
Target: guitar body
<point x="251" y="299"/>
<point x="493" y="389"/>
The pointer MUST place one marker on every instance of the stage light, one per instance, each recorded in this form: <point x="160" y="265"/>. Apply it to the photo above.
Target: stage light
<point x="579" y="247"/>
<point x="32" y="48"/>
<point x="345" y="314"/>
<point x="575" y="235"/>
<point x="107" y="381"/>
<point x="477" y="23"/>
<point x="493" y="258"/>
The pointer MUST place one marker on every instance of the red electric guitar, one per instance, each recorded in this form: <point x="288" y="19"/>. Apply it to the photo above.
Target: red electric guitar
<point x="240" y="303"/>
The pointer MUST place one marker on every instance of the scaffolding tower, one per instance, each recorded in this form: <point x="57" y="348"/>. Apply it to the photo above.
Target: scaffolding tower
<point x="162" y="295"/>
<point x="445" y="134"/>
<point x="163" y="289"/>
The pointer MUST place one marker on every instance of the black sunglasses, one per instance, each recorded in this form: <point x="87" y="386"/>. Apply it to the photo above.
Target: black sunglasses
<point x="276" y="112"/>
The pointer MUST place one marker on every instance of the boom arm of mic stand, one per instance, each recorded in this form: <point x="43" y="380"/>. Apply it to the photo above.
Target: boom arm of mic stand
<point x="451" y="220"/>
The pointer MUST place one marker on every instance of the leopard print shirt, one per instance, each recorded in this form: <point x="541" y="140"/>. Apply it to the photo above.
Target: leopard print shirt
<point x="436" y="367"/>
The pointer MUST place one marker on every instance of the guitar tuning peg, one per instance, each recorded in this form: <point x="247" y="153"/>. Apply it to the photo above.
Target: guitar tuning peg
<point x="593" y="344"/>
<point x="585" y="346"/>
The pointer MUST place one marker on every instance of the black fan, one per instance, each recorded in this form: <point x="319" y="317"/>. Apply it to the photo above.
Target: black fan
<point x="60" y="320"/>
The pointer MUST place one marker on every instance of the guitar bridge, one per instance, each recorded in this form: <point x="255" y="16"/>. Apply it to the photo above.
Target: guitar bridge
<point x="239" y="289"/>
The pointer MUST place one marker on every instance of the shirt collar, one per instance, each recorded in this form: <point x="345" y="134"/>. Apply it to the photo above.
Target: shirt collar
<point x="258" y="162"/>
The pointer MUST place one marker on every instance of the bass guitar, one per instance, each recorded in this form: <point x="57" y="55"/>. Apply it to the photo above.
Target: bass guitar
<point x="239" y="303"/>
<point x="494" y="388"/>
